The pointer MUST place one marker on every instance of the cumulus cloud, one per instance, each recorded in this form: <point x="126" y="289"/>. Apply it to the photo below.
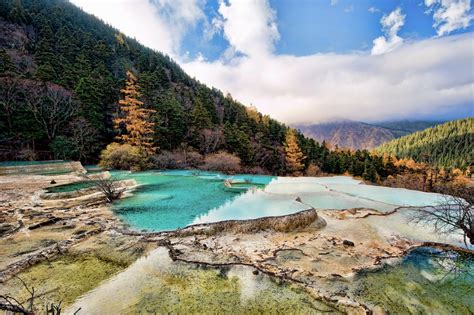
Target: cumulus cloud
<point x="158" y="24"/>
<point x="374" y="9"/>
<point x="418" y="79"/>
<point x="391" y="24"/>
<point x="249" y="26"/>
<point x="450" y="15"/>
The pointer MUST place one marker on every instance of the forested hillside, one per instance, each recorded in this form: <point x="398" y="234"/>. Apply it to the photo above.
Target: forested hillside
<point x="61" y="71"/>
<point x="450" y="145"/>
<point x="61" y="76"/>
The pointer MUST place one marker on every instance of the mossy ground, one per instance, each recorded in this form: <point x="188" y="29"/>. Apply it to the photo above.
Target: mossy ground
<point x="403" y="289"/>
<point x="76" y="272"/>
<point x="195" y="290"/>
<point x="62" y="280"/>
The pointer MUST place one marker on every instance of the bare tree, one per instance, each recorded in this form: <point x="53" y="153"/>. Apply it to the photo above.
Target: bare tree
<point x="84" y="137"/>
<point x="9" y="94"/>
<point x="108" y="187"/>
<point x="211" y="140"/>
<point x="51" y="106"/>
<point x="455" y="213"/>
<point x="11" y="304"/>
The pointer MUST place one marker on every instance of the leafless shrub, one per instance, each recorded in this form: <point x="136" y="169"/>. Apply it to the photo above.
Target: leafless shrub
<point x="211" y="140"/>
<point x="13" y="305"/>
<point x="108" y="187"/>
<point x="177" y="159"/>
<point x="255" y="170"/>
<point x="26" y="154"/>
<point x="456" y="212"/>
<point x="222" y="161"/>
<point x="166" y="160"/>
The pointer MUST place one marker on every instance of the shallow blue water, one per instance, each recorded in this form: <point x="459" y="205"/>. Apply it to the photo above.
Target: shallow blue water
<point x="25" y="163"/>
<point x="173" y="199"/>
<point x="167" y="200"/>
<point x="427" y="281"/>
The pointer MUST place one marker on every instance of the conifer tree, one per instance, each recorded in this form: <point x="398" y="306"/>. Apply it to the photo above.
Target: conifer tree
<point x="134" y="118"/>
<point x="293" y="155"/>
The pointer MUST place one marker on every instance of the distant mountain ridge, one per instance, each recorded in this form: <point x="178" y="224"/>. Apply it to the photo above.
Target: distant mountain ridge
<point x="402" y="128"/>
<point x="359" y="135"/>
<point x="447" y="145"/>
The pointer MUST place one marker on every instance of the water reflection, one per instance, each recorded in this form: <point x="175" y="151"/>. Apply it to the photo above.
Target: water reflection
<point x="156" y="284"/>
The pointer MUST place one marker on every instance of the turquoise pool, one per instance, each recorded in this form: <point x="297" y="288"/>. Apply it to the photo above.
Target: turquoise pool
<point x="49" y="167"/>
<point x="167" y="200"/>
<point x="425" y="282"/>
<point x="174" y="199"/>
<point x="70" y="187"/>
<point x="27" y="163"/>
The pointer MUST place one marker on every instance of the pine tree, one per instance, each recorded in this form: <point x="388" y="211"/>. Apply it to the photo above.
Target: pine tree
<point x="6" y="64"/>
<point x="369" y="173"/>
<point x="293" y="155"/>
<point x="135" y="118"/>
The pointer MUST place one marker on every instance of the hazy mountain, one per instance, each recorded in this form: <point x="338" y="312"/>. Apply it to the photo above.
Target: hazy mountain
<point x="404" y="127"/>
<point x="359" y="135"/>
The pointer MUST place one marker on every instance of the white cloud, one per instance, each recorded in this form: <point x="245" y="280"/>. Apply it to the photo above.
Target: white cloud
<point x="213" y="28"/>
<point x="450" y="15"/>
<point x="419" y="78"/>
<point x="158" y="24"/>
<point x="334" y="2"/>
<point x="249" y="26"/>
<point x="349" y="9"/>
<point x="373" y="10"/>
<point x="423" y="78"/>
<point x="391" y="24"/>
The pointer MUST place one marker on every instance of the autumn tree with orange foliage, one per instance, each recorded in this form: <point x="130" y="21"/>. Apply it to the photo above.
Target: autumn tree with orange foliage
<point x="406" y="173"/>
<point x="134" y="118"/>
<point x="294" y="157"/>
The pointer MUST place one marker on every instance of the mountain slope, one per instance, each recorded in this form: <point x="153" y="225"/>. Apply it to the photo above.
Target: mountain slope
<point x="348" y="134"/>
<point x="400" y="128"/>
<point x="51" y="51"/>
<point x="359" y="135"/>
<point x="450" y="145"/>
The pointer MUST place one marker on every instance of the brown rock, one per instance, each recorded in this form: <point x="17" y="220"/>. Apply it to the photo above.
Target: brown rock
<point x="348" y="243"/>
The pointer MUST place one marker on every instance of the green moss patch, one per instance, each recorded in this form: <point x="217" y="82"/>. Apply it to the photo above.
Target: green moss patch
<point x="63" y="279"/>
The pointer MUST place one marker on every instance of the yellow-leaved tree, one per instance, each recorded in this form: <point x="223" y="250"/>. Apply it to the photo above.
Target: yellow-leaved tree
<point x="134" y="119"/>
<point x="293" y="156"/>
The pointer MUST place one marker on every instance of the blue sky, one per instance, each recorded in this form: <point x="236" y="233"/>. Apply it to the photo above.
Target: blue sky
<point x="316" y="26"/>
<point x="306" y="61"/>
